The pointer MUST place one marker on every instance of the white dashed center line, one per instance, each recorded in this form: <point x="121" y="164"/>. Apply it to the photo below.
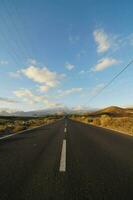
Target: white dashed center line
<point x="63" y="158"/>
<point x="65" y="130"/>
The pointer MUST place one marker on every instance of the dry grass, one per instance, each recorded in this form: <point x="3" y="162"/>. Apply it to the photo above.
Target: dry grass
<point x="11" y="125"/>
<point x="122" y="124"/>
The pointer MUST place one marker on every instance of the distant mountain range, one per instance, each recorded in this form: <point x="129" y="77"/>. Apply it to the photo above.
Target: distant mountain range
<point x="9" y="112"/>
<point x="113" y="110"/>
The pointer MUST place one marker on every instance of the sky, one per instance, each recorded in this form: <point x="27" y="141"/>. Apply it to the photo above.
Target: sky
<point x="61" y="53"/>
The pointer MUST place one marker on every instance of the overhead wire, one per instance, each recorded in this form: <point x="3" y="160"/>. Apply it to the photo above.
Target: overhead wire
<point x="110" y="82"/>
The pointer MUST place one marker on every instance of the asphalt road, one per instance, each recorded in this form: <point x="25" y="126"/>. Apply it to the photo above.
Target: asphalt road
<point x="66" y="160"/>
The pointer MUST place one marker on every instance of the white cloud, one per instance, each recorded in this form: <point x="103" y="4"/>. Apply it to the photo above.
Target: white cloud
<point x="50" y="104"/>
<point x="27" y="95"/>
<point x="82" y="109"/>
<point x="7" y="100"/>
<point x="69" y="66"/>
<point x="43" y="76"/>
<point x="32" y="61"/>
<point x="44" y="88"/>
<point x="31" y="98"/>
<point x="73" y="39"/>
<point x="15" y="74"/>
<point x="102" y="40"/>
<point x="94" y="91"/>
<point x="130" y="39"/>
<point x="105" y="63"/>
<point x="106" y="41"/>
<point x="23" y="93"/>
<point x="70" y="91"/>
<point x="3" y="62"/>
<point x="81" y="53"/>
<point x="82" y="72"/>
<point x="46" y="78"/>
<point x="8" y="110"/>
<point x="125" y="41"/>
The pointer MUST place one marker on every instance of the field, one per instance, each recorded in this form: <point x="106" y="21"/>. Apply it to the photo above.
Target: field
<point x="9" y="125"/>
<point x="119" y="119"/>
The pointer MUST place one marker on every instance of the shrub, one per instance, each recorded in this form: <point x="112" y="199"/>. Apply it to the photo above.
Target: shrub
<point x="105" y="120"/>
<point x="18" y="128"/>
<point x="96" y="121"/>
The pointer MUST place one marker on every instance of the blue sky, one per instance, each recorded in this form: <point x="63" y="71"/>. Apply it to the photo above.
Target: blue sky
<point x="57" y="53"/>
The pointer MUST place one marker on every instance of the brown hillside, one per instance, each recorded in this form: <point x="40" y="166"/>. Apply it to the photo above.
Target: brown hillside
<point x="115" y="112"/>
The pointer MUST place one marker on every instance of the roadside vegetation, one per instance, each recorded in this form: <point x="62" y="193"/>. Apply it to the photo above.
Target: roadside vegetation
<point x="10" y="125"/>
<point x="119" y="119"/>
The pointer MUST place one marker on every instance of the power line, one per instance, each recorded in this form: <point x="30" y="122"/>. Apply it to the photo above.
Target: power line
<point x="110" y="82"/>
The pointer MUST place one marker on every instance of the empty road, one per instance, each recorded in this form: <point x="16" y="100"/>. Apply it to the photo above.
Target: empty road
<point x="66" y="160"/>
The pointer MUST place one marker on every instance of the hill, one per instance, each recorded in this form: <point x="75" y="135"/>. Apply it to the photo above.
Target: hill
<point x="113" y="117"/>
<point x="114" y="111"/>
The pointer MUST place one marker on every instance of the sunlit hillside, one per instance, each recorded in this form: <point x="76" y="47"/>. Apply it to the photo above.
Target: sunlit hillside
<point x="116" y="118"/>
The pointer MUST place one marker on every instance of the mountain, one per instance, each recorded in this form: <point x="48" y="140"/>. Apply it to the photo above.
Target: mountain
<point x="50" y="111"/>
<point x="112" y="111"/>
<point x="115" y="111"/>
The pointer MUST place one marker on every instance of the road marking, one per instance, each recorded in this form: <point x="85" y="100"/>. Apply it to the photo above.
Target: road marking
<point x="65" y="130"/>
<point x="63" y="158"/>
<point x="8" y="136"/>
